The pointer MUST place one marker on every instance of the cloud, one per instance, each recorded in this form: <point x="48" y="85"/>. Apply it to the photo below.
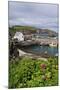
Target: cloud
<point x="33" y="14"/>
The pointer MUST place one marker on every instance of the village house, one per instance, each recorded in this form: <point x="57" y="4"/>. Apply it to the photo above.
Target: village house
<point x="19" y="36"/>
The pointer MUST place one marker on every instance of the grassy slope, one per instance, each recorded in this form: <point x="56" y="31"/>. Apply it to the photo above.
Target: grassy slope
<point x="21" y="28"/>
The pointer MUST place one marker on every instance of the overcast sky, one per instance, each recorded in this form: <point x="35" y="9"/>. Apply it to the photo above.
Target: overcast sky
<point x="34" y="14"/>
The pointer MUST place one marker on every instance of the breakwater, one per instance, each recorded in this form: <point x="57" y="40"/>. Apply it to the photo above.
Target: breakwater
<point x="49" y="41"/>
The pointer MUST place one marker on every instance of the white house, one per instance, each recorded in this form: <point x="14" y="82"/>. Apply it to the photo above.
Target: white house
<point x="19" y="36"/>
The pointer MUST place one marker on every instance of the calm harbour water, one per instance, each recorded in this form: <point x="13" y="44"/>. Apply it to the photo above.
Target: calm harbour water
<point x="52" y="51"/>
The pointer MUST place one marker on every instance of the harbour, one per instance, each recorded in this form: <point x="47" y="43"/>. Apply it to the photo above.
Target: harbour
<point x="43" y="51"/>
<point x="43" y="46"/>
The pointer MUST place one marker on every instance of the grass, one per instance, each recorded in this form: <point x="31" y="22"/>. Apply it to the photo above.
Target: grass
<point x="22" y="28"/>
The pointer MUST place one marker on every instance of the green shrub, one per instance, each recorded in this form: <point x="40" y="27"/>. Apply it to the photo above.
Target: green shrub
<point x="33" y="73"/>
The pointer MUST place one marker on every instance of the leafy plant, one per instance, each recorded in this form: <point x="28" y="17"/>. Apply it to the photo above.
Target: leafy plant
<point x="33" y="73"/>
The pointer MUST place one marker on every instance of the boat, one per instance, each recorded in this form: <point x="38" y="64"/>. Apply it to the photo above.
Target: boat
<point x="53" y="44"/>
<point x="45" y="52"/>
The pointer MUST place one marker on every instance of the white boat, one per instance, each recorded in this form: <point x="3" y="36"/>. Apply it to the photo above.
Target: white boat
<point x="53" y="44"/>
<point x="56" y="54"/>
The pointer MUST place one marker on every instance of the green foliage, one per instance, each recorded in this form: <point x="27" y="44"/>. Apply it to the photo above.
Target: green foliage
<point x="26" y="72"/>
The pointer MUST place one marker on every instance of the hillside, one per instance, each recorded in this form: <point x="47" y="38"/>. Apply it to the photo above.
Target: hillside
<point x="32" y="30"/>
<point x="47" y="32"/>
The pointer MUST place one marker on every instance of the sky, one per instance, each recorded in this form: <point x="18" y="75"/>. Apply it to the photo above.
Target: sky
<point x="34" y="14"/>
